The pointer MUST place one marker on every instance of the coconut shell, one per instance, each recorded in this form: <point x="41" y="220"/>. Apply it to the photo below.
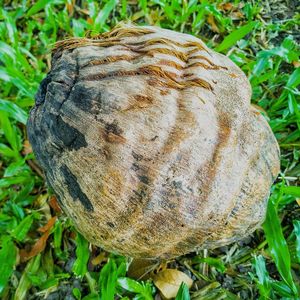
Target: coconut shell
<point x="150" y="143"/>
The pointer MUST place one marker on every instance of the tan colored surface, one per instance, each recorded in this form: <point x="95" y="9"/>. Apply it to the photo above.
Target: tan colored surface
<point x="150" y="142"/>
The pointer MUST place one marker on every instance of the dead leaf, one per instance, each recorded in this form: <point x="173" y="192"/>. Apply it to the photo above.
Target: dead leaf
<point x="298" y="201"/>
<point x="137" y="16"/>
<point x="83" y="11"/>
<point x="99" y="258"/>
<point x="139" y="268"/>
<point x="35" y="167"/>
<point x="40" y="244"/>
<point x="26" y="148"/>
<point x="212" y="23"/>
<point x="225" y="6"/>
<point x="260" y="109"/>
<point x="236" y="15"/>
<point x="42" y="204"/>
<point x="54" y="204"/>
<point x="48" y="226"/>
<point x="70" y="8"/>
<point x="161" y="267"/>
<point x="37" y="248"/>
<point x="169" y="281"/>
<point x="296" y="64"/>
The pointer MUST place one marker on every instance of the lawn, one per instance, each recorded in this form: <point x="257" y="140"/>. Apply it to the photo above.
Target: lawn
<point x="41" y="254"/>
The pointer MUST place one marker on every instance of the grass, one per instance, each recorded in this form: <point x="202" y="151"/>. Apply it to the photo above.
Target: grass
<point x="42" y="255"/>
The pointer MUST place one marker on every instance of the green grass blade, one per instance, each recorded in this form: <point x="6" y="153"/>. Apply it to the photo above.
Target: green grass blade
<point x="8" y="50"/>
<point x="11" y="27"/>
<point x="292" y="190"/>
<point x="283" y="290"/>
<point x="38" y="6"/>
<point x="130" y="285"/>
<point x="20" y="232"/>
<point x="10" y="132"/>
<point x="104" y="14"/>
<point x="214" y="262"/>
<point x="108" y="280"/>
<point x="236" y="35"/>
<point x="183" y="292"/>
<point x="8" y="255"/>
<point x="297" y="233"/>
<point x="25" y="283"/>
<point x="264" y="282"/>
<point x="6" y="151"/>
<point x="294" y="79"/>
<point x="136" y="287"/>
<point x="82" y="256"/>
<point x="13" y="111"/>
<point x="278" y="246"/>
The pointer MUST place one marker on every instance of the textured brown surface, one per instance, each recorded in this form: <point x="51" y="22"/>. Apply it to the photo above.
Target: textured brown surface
<point x="149" y="140"/>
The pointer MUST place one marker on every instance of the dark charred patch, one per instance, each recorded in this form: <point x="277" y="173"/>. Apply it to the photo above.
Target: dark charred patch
<point x="93" y="99"/>
<point x="74" y="188"/>
<point x="106" y="152"/>
<point x="113" y="138"/>
<point x="165" y="203"/>
<point x="110" y="224"/>
<point x="154" y="138"/>
<point x="104" y="236"/>
<point x="112" y="133"/>
<point x="177" y="184"/>
<point x="234" y="211"/>
<point x="135" y="167"/>
<point x="81" y="97"/>
<point x="113" y="128"/>
<point x="90" y="99"/>
<point x="45" y="155"/>
<point x="144" y="179"/>
<point x="190" y="189"/>
<point x="140" y="194"/>
<point x="68" y="136"/>
<point x="41" y="93"/>
<point x="136" y="156"/>
<point x="57" y="94"/>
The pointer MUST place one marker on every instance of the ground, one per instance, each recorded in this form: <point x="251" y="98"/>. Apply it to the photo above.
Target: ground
<point x="43" y="257"/>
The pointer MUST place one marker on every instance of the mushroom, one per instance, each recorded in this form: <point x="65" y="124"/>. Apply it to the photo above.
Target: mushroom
<point x="150" y="143"/>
